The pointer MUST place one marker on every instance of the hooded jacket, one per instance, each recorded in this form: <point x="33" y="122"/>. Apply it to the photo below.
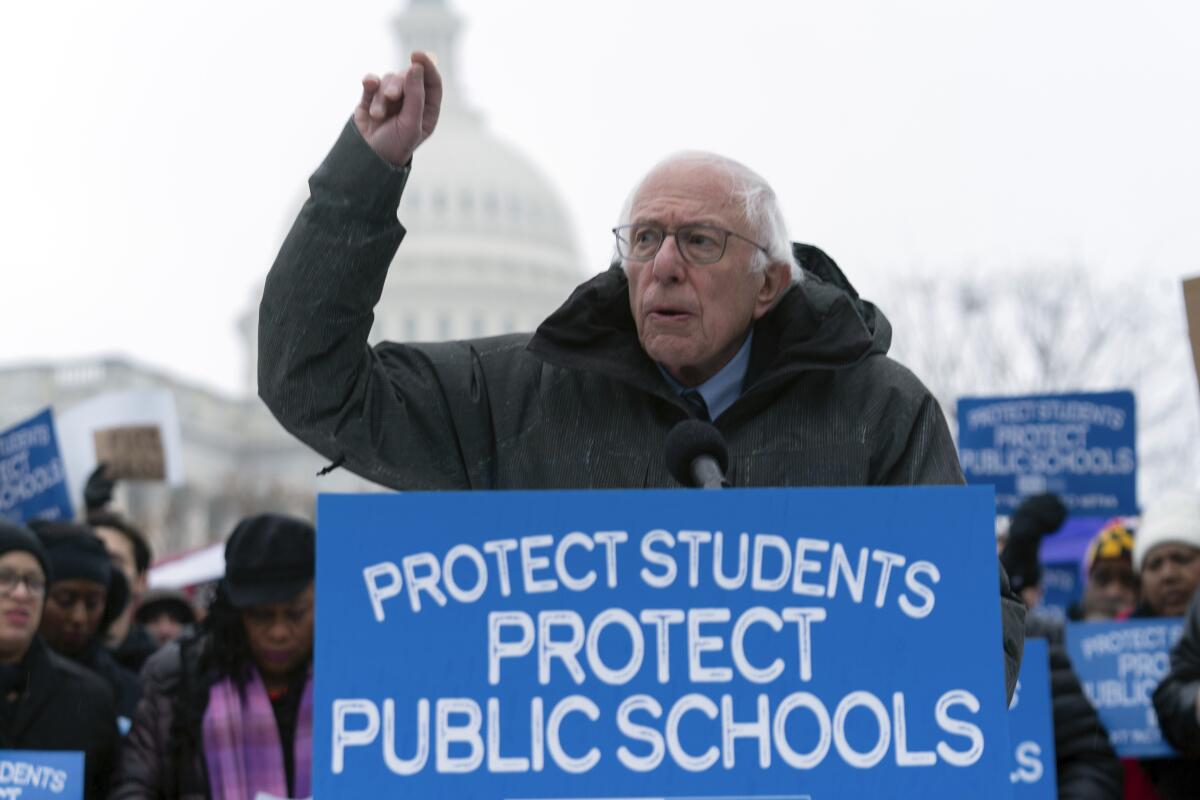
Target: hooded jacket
<point x="577" y="404"/>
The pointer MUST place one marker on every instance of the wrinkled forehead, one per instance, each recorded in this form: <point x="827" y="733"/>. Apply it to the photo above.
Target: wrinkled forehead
<point x="685" y="191"/>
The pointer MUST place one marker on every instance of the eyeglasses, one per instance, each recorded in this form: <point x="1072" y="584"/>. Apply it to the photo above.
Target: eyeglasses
<point x="35" y="584"/>
<point x="698" y="244"/>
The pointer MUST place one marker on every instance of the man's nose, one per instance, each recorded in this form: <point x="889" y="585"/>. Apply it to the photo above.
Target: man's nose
<point x="669" y="265"/>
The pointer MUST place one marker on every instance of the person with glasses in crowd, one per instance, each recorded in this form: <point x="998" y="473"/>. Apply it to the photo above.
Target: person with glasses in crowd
<point x="708" y="311"/>
<point x="228" y="712"/>
<point x="47" y="702"/>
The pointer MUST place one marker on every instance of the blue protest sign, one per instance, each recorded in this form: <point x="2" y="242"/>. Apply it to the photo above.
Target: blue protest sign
<point x="1081" y="447"/>
<point x="747" y="643"/>
<point x="1031" y="727"/>
<point x="1061" y="588"/>
<point x="41" y="775"/>
<point x="33" y="483"/>
<point x="1120" y="664"/>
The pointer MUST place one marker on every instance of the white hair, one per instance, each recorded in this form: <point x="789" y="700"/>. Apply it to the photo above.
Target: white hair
<point x="750" y="191"/>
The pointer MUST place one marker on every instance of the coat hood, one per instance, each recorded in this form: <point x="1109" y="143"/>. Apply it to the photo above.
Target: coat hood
<point x="820" y="323"/>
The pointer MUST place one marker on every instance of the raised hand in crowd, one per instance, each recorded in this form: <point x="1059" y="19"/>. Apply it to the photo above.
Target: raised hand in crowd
<point x="399" y="111"/>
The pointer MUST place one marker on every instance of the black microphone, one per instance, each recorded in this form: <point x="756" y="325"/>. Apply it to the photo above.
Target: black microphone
<point x="696" y="455"/>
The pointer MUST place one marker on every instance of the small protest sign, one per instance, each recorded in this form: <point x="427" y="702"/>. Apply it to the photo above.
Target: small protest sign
<point x="1120" y="664"/>
<point x="748" y="643"/>
<point x="131" y="452"/>
<point x="41" y="775"/>
<point x="1081" y="447"/>
<point x="33" y="481"/>
<point x="1191" y="303"/>
<point x="137" y="432"/>
<point x="1031" y="727"/>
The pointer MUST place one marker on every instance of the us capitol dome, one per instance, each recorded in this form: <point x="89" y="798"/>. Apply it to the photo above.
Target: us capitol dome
<point x="490" y="248"/>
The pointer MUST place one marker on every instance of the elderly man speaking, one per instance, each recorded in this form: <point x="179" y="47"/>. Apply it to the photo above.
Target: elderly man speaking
<point x="710" y="312"/>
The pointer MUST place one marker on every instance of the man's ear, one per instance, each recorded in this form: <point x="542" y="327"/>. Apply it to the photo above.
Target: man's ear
<point x="777" y="277"/>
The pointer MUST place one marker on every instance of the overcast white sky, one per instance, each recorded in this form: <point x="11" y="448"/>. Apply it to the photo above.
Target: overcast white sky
<point x="151" y="152"/>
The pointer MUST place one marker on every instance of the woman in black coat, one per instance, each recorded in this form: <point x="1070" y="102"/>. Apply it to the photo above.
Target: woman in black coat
<point x="46" y="702"/>
<point x="228" y="713"/>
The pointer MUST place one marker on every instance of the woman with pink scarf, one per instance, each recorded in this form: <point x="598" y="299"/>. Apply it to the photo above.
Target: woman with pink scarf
<point x="228" y="713"/>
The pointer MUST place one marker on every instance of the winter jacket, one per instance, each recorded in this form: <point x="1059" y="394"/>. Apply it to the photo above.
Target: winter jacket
<point x="126" y="687"/>
<point x="1175" y="700"/>
<point x="1162" y="778"/>
<point x="63" y="707"/>
<point x="1085" y="762"/>
<point x="163" y="756"/>
<point x="578" y="404"/>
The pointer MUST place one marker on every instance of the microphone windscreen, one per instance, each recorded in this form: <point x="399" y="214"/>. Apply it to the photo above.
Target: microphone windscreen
<point x="689" y="439"/>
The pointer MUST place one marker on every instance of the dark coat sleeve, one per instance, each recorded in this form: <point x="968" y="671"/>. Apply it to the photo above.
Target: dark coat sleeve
<point x="1087" y="765"/>
<point x="1175" y="697"/>
<point x="1012" y="633"/>
<point x="144" y="772"/>
<point x="384" y="412"/>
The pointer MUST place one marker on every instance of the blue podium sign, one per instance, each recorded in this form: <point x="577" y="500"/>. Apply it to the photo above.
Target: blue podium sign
<point x="1120" y="664"/>
<point x="750" y="643"/>
<point x="41" y="775"/>
<point x="1031" y="727"/>
<point x="33" y="482"/>
<point x="1082" y="447"/>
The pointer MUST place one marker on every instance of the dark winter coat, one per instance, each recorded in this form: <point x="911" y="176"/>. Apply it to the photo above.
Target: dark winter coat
<point x="578" y="404"/>
<point x="126" y="687"/>
<point x="63" y="707"/>
<point x="163" y="754"/>
<point x="1085" y="762"/>
<point x="1175" y="704"/>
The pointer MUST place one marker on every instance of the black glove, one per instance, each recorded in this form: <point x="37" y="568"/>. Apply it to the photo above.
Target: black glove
<point x="1036" y="517"/>
<point x="98" y="491"/>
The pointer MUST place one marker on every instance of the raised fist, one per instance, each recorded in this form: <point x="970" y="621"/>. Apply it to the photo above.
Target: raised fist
<point x="400" y="111"/>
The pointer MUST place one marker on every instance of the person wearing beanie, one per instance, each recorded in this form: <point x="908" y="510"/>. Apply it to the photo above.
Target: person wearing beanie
<point x="1166" y="554"/>
<point x="165" y="614"/>
<point x="84" y="594"/>
<point x="228" y="712"/>
<point x="1111" y="591"/>
<point x="46" y="701"/>
<point x="1166" y="559"/>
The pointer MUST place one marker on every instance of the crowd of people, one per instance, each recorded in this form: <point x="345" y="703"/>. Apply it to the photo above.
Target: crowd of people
<point x="168" y="700"/>
<point x="1152" y="571"/>
<point x="709" y="313"/>
<point x="165" y="699"/>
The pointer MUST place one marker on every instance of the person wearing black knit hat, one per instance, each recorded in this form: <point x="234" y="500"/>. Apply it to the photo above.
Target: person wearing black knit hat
<point x="85" y="593"/>
<point x="46" y="701"/>
<point x="228" y="713"/>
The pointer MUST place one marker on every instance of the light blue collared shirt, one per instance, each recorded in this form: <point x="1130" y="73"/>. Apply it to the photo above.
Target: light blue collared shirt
<point x="721" y="389"/>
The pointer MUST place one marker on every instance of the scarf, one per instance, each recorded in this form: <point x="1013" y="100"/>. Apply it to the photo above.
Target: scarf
<point x="241" y="741"/>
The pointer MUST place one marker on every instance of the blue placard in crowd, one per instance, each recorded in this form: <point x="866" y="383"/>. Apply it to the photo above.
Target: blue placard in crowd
<point x="1120" y="664"/>
<point x="1081" y="447"/>
<point x="33" y="483"/>
<point x="1031" y="727"/>
<point x="1061" y="588"/>
<point x="749" y="643"/>
<point x="41" y="775"/>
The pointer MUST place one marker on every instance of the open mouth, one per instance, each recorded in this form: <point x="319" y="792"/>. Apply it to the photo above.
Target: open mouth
<point x="669" y="314"/>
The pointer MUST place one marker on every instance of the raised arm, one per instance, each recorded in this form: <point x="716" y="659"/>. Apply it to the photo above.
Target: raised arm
<point x="383" y="412"/>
